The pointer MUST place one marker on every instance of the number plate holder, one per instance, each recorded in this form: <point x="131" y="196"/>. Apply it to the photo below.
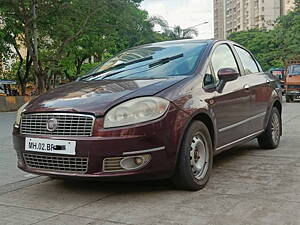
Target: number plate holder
<point x="64" y="147"/>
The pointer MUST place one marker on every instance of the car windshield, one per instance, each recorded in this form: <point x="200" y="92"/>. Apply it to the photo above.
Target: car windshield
<point x="150" y="61"/>
<point x="278" y="73"/>
<point x="294" y="70"/>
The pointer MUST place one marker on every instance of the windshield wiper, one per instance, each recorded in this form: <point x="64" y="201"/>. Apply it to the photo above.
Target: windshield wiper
<point x="165" y="60"/>
<point x="151" y="65"/>
<point x="118" y="66"/>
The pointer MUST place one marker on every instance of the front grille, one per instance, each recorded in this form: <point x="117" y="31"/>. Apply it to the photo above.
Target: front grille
<point x="293" y="86"/>
<point x="112" y="164"/>
<point x="67" y="124"/>
<point x="56" y="163"/>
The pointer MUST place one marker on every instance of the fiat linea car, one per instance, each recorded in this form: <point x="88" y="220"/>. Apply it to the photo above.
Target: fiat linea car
<point x="156" y="111"/>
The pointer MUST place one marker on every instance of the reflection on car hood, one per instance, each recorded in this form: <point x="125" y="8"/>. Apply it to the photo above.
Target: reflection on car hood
<point x="97" y="96"/>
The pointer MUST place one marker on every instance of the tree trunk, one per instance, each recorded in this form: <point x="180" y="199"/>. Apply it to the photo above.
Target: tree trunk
<point x="23" y="89"/>
<point x="41" y="82"/>
<point x="79" y="65"/>
<point x="32" y="48"/>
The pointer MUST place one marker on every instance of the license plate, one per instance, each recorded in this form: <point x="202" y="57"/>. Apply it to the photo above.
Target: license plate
<point x="50" y="146"/>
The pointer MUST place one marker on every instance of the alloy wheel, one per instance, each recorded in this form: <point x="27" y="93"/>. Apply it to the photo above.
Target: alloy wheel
<point x="275" y="127"/>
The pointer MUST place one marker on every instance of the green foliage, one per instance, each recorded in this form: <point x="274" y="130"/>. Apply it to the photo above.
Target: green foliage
<point x="70" y="33"/>
<point x="272" y="48"/>
<point x="173" y="33"/>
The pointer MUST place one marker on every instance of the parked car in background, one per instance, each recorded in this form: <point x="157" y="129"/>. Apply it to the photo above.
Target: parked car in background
<point x="280" y="73"/>
<point x="156" y="111"/>
<point x="5" y="87"/>
<point x="292" y="80"/>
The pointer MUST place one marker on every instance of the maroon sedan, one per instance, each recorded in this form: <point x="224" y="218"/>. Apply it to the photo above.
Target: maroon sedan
<point x="156" y="111"/>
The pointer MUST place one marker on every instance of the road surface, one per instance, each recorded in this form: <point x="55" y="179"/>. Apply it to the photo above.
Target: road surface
<point x="249" y="186"/>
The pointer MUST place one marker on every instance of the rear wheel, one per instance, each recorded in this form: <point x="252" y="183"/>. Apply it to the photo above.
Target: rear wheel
<point x="195" y="158"/>
<point x="289" y="98"/>
<point x="271" y="137"/>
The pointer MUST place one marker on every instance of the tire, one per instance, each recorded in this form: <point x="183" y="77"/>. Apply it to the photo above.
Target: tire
<point x="270" y="139"/>
<point x="289" y="98"/>
<point x="194" y="164"/>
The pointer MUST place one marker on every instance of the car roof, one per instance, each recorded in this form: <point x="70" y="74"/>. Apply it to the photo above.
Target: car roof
<point x="175" y="42"/>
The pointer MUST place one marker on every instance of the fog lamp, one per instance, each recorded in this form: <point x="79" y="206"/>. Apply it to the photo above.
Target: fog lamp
<point x="135" y="162"/>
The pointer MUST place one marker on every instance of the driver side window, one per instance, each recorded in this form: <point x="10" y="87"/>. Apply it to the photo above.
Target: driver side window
<point x="223" y="58"/>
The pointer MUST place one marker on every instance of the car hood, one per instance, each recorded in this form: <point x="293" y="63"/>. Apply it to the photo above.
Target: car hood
<point x="97" y="96"/>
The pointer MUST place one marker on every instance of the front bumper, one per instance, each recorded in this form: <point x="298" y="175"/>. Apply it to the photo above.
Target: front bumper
<point x="158" y="138"/>
<point x="293" y="93"/>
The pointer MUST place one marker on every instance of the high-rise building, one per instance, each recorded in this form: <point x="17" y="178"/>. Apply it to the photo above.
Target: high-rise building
<point x="237" y="15"/>
<point x="287" y="5"/>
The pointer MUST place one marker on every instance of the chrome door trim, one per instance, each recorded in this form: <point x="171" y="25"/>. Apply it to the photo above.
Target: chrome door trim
<point x="241" y="139"/>
<point x="242" y="122"/>
<point x="144" y="151"/>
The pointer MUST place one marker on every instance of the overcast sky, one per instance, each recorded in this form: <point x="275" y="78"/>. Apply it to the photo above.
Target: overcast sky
<point x="185" y="13"/>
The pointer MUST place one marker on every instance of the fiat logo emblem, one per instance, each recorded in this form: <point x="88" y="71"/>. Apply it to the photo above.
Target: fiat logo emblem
<point x="52" y="124"/>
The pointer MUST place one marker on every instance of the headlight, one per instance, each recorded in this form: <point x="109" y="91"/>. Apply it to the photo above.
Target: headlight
<point x="135" y="111"/>
<point x="19" y="114"/>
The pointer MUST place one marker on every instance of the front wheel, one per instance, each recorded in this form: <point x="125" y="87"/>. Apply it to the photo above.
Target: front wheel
<point x="271" y="137"/>
<point x="195" y="159"/>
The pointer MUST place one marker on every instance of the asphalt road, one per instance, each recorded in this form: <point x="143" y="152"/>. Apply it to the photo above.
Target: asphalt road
<point x="249" y="186"/>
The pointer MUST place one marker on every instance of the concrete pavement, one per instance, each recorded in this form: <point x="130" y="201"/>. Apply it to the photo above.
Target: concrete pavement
<point x="249" y="186"/>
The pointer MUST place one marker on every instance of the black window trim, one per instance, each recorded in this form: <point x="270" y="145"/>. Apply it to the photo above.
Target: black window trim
<point x="210" y="86"/>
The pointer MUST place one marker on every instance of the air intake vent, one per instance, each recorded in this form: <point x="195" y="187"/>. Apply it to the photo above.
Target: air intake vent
<point x="112" y="164"/>
<point x="56" y="163"/>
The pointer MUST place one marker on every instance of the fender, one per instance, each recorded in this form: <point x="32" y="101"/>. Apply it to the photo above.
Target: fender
<point x="188" y="121"/>
<point x="274" y="97"/>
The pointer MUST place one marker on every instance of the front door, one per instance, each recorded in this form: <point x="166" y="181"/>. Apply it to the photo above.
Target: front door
<point x="231" y="107"/>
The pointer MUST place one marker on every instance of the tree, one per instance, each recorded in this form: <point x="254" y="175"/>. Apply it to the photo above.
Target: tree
<point x="179" y="33"/>
<point x="173" y="33"/>
<point x="61" y="35"/>
<point x="11" y="40"/>
<point x="274" y="47"/>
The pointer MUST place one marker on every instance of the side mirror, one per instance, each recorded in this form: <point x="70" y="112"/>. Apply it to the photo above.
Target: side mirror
<point x="226" y="75"/>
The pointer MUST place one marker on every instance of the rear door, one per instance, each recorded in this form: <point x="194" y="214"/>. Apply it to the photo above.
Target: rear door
<point x="260" y="86"/>
<point x="231" y="107"/>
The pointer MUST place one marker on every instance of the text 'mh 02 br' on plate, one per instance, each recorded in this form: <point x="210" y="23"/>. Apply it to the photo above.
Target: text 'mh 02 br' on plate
<point x="50" y="146"/>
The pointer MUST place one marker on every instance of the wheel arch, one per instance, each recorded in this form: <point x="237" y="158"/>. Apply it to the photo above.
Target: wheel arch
<point x="205" y="118"/>
<point x="278" y="105"/>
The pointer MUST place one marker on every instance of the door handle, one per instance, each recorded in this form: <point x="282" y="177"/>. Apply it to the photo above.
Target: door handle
<point x="247" y="87"/>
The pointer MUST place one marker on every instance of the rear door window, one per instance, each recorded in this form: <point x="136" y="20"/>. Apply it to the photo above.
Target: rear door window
<point x="248" y="62"/>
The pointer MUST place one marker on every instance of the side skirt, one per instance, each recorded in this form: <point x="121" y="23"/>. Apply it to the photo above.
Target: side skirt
<point x="238" y="142"/>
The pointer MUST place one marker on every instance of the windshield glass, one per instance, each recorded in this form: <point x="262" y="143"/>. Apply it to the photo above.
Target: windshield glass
<point x="294" y="70"/>
<point x="150" y="61"/>
<point x="278" y="73"/>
